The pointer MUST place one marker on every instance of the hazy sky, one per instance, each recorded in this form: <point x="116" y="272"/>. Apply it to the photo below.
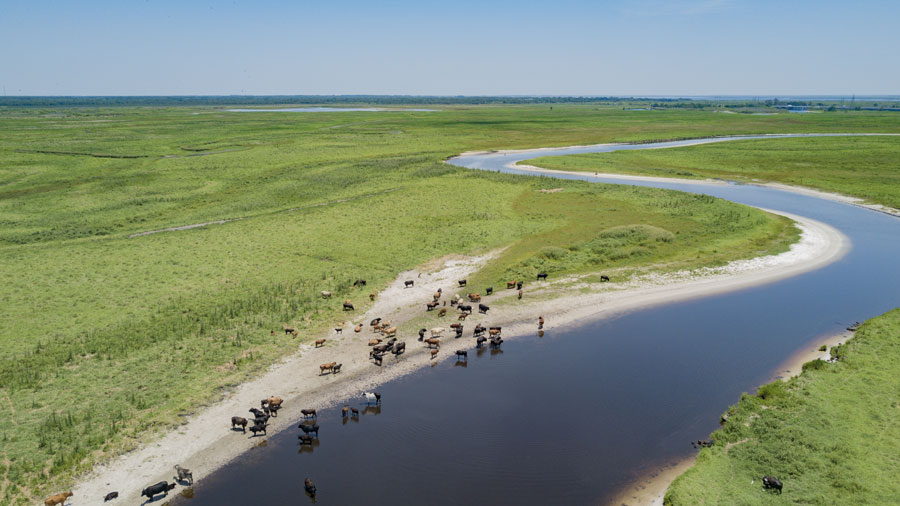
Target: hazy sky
<point x="642" y="47"/>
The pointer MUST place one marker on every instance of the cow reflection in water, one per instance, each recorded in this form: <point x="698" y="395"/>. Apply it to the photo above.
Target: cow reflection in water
<point x="462" y="363"/>
<point x="496" y="351"/>
<point x="372" y="410"/>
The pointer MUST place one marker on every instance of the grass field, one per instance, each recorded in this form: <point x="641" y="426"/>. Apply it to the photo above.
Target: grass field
<point x="865" y="167"/>
<point x="831" y="435"/>
<point x="108" y="338"/>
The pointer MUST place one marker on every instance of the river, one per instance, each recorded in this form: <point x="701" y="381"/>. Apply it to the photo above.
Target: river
<point x="575" y="415"/>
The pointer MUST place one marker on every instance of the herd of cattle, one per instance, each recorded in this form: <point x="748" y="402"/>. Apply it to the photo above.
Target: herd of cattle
<point x="270" y="406"/>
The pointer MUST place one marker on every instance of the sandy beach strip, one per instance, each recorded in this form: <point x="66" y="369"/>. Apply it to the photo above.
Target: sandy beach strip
<point x="205" y="442"/>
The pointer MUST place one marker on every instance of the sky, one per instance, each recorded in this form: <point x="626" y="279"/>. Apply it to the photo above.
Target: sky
<point x="419" y="47"/>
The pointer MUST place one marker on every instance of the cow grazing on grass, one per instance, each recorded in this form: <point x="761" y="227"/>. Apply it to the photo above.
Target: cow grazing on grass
<point x="320" y="342"/>
<point x="237" y="421"/>
<point x="604" y="278"/>
<point x="474" y="297"/>
<point x="542" y="275"/>
<point x="772" y="482"/>
<point x="59" y="498"/>
<point x="372" y="296"/>
<point x="442" y="312"/>
<point x="462" y="282"/>
<point x="183" y="474"/>
<point x="348" y="306"/>
<point x="290" y="330"/>
<point x="408" y="283"/>
<point x="162" y="487"/>
<point x="511" y="284"/>
<point x="327" y="367"/>
<point x="325" y="294"/>
<point x="359" y="282"/>
<point x="110" y="496"/>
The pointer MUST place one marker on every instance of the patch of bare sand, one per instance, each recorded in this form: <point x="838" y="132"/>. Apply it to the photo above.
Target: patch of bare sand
<point x="205" y="442"/>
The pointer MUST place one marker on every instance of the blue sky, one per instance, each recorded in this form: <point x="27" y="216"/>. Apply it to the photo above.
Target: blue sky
<point x="641" y="47"/>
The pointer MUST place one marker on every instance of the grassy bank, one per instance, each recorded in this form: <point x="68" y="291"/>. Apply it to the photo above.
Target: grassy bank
<point x="108" y="338"/>
<point x="863" y="167"/>
<point x="831" y="435"/>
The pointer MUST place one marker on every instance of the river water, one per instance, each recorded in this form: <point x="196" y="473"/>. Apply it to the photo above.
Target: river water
<point x="575" y="415"/>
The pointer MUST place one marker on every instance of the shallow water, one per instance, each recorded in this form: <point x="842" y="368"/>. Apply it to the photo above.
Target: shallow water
<point x="572" y="417"/>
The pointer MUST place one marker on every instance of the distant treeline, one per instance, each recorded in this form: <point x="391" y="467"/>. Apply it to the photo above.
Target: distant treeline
<point x="196" y="100"/>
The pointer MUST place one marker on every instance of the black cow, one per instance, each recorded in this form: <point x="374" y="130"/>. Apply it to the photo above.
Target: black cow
<point x="603" y="278"/>
<point x="399" y="348"/>
<point x="408" y="284"/>
<point x="375" y="321"/>
<point x="348" y="306"/>
<point x="489" y="290"/>
<point x="110" y="496"/>
<point x="337" y="368"/>
<point x="305" y="440"/>
<point x="359" y="282"/>
<point x="462" y="282"/>
<point x="257" y="412"/>
<point x="462" y="354"/>
<point x="772" y="482"/>
<point x="483" y="309"/>
<point x="422" y="333"/>
<point x="258" y="428"/>
<point x="541" y="275"/>
<point x="519" y="285"/>
<point x="377" y="357"/>
<point x="308" y="429"/>
<point x="162" y="487"/>
<point x="465" y="308"/>
<point x="262" y="420"/>
<point x="237" y="421"/>
<point x="480" y="341"/>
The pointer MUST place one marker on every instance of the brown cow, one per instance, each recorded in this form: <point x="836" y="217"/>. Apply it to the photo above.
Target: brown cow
<point x="437" y="295"/>
<point x="327" y="367"/>
<point x="494" y="332"/>
<point x="390" y="332"/>
<point x="373" y="342"/>
<point x="540" y="322"/>
<point x="320" y="342"/>
<point x="358" y="328"/>
<point x="55" y="499"/>
<point x="474" y="297"/>
<point x="372" y="296"/>
<point x="433" y="342"/>
<point x="462" y="316"/>
<point x="442" y="312"/>
<point x="511" y="284"/>
<point x="434" y="353"/>
<point x="273" y="401"/>
<point x="520" y="294"/>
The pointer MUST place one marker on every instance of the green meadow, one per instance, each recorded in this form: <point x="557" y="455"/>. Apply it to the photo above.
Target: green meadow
<point x="110" y="337"/>
<point x="831" y="435"/>
<point x="865" y="167"/>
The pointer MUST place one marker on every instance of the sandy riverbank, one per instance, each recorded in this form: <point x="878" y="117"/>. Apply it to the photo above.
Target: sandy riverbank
<point x="204" y="442"/>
